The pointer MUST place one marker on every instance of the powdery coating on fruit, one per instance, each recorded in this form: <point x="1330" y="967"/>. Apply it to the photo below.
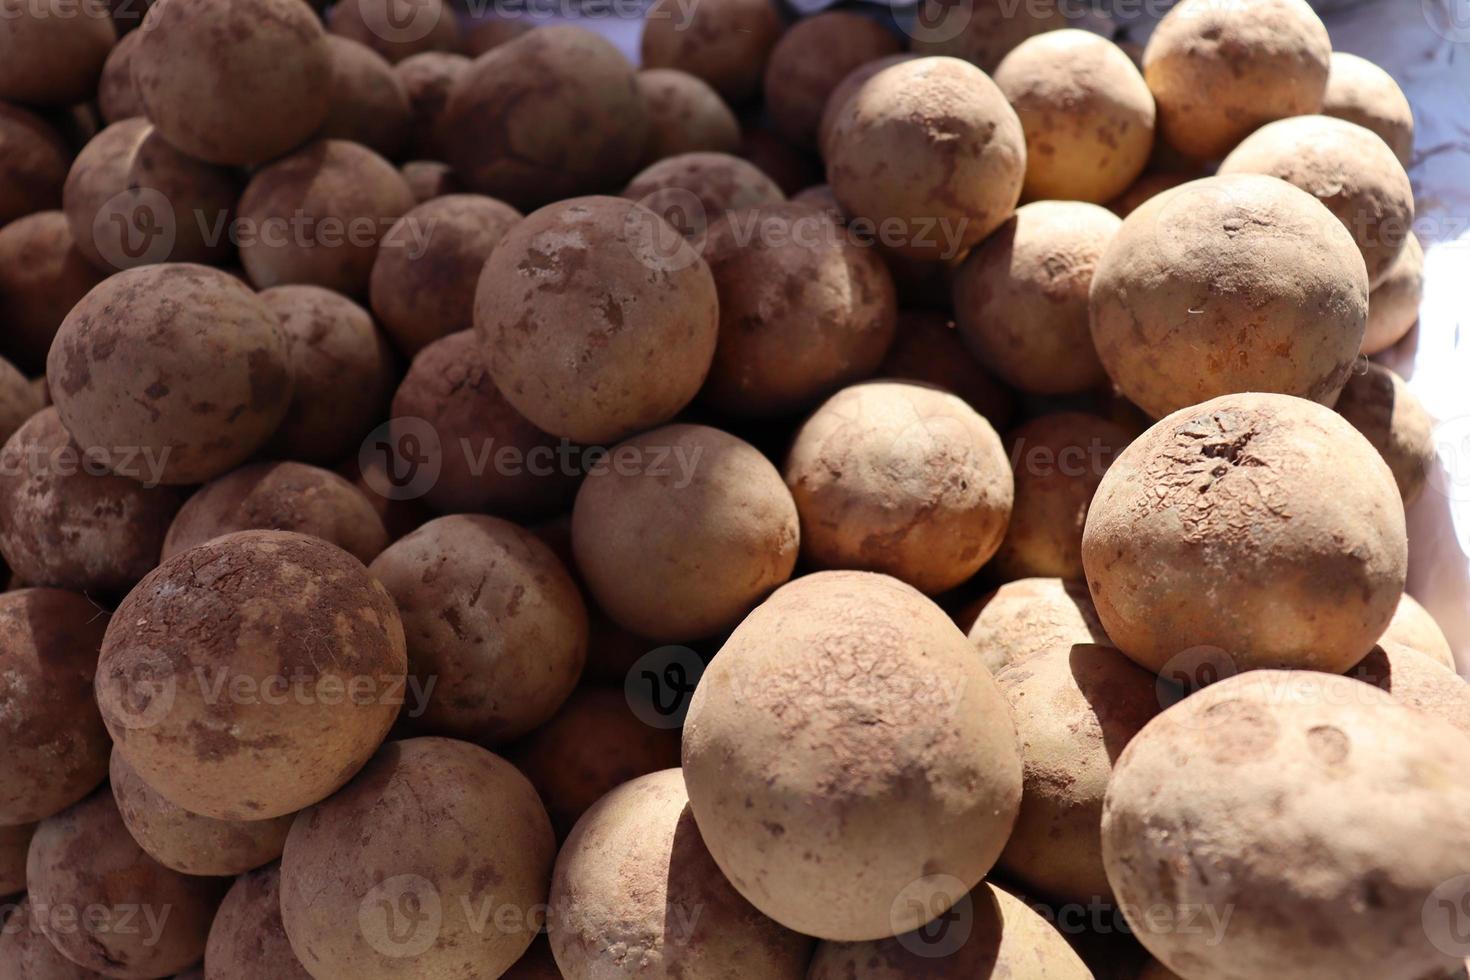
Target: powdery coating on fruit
<point x="1031" y="616"/>
<point x="397" y="29"/>
<point x="1413" y="627"/>
<point x="14" y="842"/>
<point x="423" y="281"/>
<point x="804" y="309"/>
<point x="552" y="114"/>
<point x="1393" y="306"/>
<point x="234" y="81"/>
<point x="42" y="276"/>
<point x="1006" y="938"/>
<point x="1416" y="680"/>
<point x="901" y="479"/>
<point x="1220" y="69"/>
<point x="19" y="399"/>
<point x="1087" y="113"/>
<point x="846" y="88"/>
<point x="1076" y="707"/>
<point x="981" y="32"/>
<point x="1381" y="407"/>
<point x="809" y="61"/>
<point x="114" y="188"/>
<point x="33" y="163"/>
<point x="50" y="733"/>
<point x="370" y="106"/>
<point x="927" y="348"/>
<point x="180" y="360"/>
<point x="321" y="212"/>
<point x="186" y="842"/>
<point x="26" y="953"/>
<point x="54" y="51"/>
<point x="253" y="675"/>
<point x="594" y="744"/>
<point x="344" y="370"/>
<point x="1059" y="459"/>
<point x="848" y="758"/>
<point x="247" y="940"/>
<point x="449" y="386"/>
<point x="1228" y="284"/>
<point x="1363" y="93"/>
<point x="931" y="147"/>
<point x="1145" y="188"/>
<point x="724" y="42"/>
<point x="84" y="857"/>
<point x="492" y="619"/>
<point x="683" y="544"/>
<point x="636" y="893"/>
<point x="448" y="820"/>
<point x="117" y="96"/>
<point x="718" y="182"/>
<point x="63" y="524"/>
<point x="1320" y="813"/>
<point x="427" y="79"/>
<point x="429" y="179"/>
<point x="1230" y="525"/>
<point x="280" y="497"/>
<point x="685" y="115"/>
<point x="599" y="320"/>
<point x="1020" y="298"/>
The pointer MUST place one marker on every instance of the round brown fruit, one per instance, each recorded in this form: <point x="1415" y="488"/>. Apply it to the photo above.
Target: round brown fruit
<point x="247" y="940"/>
<point x="1361" y="92"/>
<point x="811" y="59"/>
<point x="685" y="115"/>
<point x="54" y="51"/>
<point x="724" y="42"/>
<point x="1030" y="616"/>
<point x="1381" y="407"/>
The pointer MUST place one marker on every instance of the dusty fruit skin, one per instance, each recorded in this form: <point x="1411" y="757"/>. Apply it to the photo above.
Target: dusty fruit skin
<point x="901" y="479"/>
<point x="369" y="103"/>
<point x="981" y="32"/>
<point x="492" y="619"/>
<point x="1416" y="681"/>
<point x="1386" y="412"/>
<point x="1361" y="92"/>
<point x="33" y="164"/>
<point x="683" y="544"/>
<point x="927" y="349"/>
<point x="264" y="66"/>
<point x="428" y="820"/>
<point x="809" y="61"/>
<point x="816" y="813"/>
<point x="19" y="399"/>
<point x="396" y="29"/>
<point x="598" y="318"/>
<point x="931" y="147"/>
<point x="42" y="276"/>
<point x="1030" y="616"/>
<point x="685" y="115"/>
<point x="846" y="88"/>
<point x="247" y="940"/>
<point x="718" y="182"/>
<point x="1322" y="814"/>
<point x="1227" y="284"/>
<point x="636" y="892"/>
<point x="1220" y="69"/>
<point x="14" y="842"/>
<point x="1087" y="113"/>
<point x="1230" y="525"/>
<point x="552" y="114"/>
<point x="54" y="51"/>
<point x="1413" y="627"/>
<point x="84" y="857"/>
<point x="117" y="95"/>
<point x="724" y="42"/>
<point x="50" y="733"/>
<point x="427" y="79"/>
<point x="253" y="675"/>
<point x="26" y="953"/>
<point x="1393" y="306"/>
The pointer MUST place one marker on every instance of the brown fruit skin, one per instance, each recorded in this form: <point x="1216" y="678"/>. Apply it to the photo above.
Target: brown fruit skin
<point x="247" y="940"/>
<point x="1413" y="626"/>
<point x="327" y="183"/>
<point x="280" y="497"/>
<point x="1030" y="616"/>
<point x="424" y="277"/>
<point x="791" y="168"/>
<point x="117" y="96"/>
<point x="901" y="479"/>
<point x="1021" y="296"/>
<point x="1229" y="525"/>
<point x="14" y="842"/>
<point x="180" y="360"/>
<point x="186" y="842"/>
<point x="809" y="61"/>
<point x="1152" y="183"/>
<point x="846" y="88"/>
<point x="65" y="522"/>
<point x="1004" y="937"/>
<point x="719" y="182"/>
<point x="685" y="115"/>
<point x="1289" y="797"/>
<point x="19" y="399"/>
<point x="449" y="386"/>
<point x="54" y="52"/>
<point x="927" y="349"/>
<point x="930" y="147"/>
<point x="1059" y="459"/>
<point x="42" y="276"/>
<point x="264" y="64"/>
<point x="344" y="369"/>
<point x="636" y="892"/>
<point x="1393" y="306"/>
<point x="429" y="179"/>
<point x="492" y="619"/>
<point x="682" y="545"/>
<point x="1229" y="284"/>
<point x="492" y="32"/>
<point x="1220" y="69"/>
<point x="814" y="811"/>
<point x="1361" y="92"/>
<point x="85" y="857"/>
<point x="370" y="106"/>
<point x="1381" y="407"/>
<point x="128" y="173"/>
<point x="427" y="78"/>
<point x="981" y="32"/>
<point x="724" y="42"/>
<point x="1417" y="681"/>
<point x="26" y="953"/>
<point x="553" y="114"/>
<point x="444" y="819"/>
<point x="396" y="29"/>
<point x="253" y="675"/>
<point x="51" y="735"/>
<point x="33" y="164"/>
<point x="804" y="309"/>
<point x="598" y="319"/>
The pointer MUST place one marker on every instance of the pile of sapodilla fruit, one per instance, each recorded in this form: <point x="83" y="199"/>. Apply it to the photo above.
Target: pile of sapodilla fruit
<point x="217" y="603"/>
